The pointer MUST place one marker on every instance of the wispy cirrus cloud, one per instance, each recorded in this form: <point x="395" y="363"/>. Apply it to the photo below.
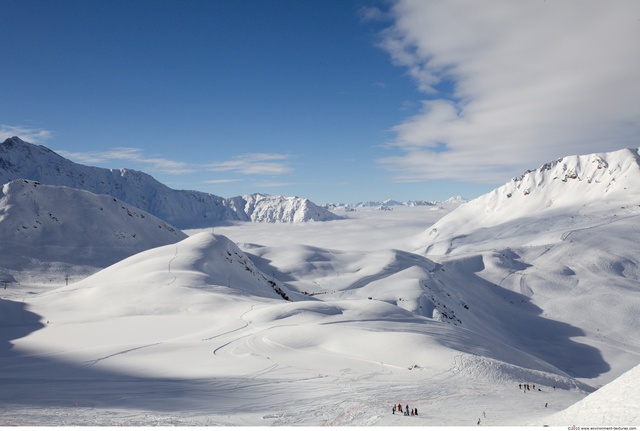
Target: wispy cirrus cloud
<point x="28" y="134"/>
<point x="255" y="164"/>
<point x="275" y="184"/>
<point x="247" y="164"/>
<point x="510" y="85"/>
<point x="224" y="181"/>
<point x="132" y="155"/>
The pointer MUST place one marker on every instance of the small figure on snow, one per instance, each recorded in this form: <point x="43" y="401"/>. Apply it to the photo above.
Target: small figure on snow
<point x="393" y="410"/>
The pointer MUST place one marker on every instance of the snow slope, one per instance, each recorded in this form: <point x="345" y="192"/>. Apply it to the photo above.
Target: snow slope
<point x="194" y="334"/>
<point x="181" y="208"/>
<point x="615" y="404"/>
<point x="568" y="187"/>
<point x="567" y="237"/>
<point x="64" y="231"/>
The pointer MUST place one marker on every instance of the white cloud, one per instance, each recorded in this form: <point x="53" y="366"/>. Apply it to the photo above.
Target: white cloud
<point x="533" y="81"/>
<point x="256" y="164"/>
<point x="34" y="136"/>
<point x="275" y="184"/>
<point x="131" y="155"/>
<point x="372" y="13"/>
<point x="221" y="181"/>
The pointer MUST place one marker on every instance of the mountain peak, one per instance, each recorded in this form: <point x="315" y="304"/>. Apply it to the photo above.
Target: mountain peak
<point x="574" y="178"/>
<point x="564" y="186"/>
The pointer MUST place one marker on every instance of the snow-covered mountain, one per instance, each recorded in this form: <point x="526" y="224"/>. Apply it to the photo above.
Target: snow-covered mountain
<point x="42" y="225"/>
<point x="567" y="237"/>
<point x="181" y="208"/>
<point x="454" y="200"/>
<point x="393" y="203"/>
<point x="269" y="208"/>
<point x="565" y="188"/>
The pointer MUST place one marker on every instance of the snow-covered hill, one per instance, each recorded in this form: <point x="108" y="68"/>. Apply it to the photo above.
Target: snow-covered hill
<point x="194" y="334"/>
<point x="203" y="261"/>
<point x="56" y="229"/>
<point x="181" y="208"/>
<point x="567" y="237"/>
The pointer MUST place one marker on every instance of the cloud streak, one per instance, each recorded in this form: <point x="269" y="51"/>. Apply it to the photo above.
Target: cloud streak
<point x="248" y="164"/>
<point x="27" y="134"/>
<point x="533" y="81"/>
<point x="127" y="154"/>
<point x="255" y="164"/>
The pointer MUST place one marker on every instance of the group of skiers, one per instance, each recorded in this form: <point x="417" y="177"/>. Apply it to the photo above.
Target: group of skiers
<point x="407" y="412"/>
<point x="527" y="387"/>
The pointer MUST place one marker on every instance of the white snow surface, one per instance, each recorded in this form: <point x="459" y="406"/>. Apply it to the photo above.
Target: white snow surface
<point x="615" y="404"/>
<point x="333" y="323"/>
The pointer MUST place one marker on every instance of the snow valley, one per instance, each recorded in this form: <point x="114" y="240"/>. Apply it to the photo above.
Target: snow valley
<point x="520" y="307"/>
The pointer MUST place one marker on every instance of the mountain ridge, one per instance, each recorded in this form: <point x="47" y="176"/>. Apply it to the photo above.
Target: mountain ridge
<point x="181" y="208"/>
<point x="570" y="184"/>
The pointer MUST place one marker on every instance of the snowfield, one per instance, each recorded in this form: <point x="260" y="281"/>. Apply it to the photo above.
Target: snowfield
<point x="457" y="310"/>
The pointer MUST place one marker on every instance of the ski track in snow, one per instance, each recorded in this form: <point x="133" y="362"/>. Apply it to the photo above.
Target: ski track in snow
<point x="123" y="352"/>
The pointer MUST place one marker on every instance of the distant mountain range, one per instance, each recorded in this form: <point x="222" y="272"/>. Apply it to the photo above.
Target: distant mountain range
<point x="394" y="203"/>
<point x="181" y="208"/>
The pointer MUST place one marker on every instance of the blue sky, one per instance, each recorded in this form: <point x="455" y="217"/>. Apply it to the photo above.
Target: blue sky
<point x="336" y="101"/>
